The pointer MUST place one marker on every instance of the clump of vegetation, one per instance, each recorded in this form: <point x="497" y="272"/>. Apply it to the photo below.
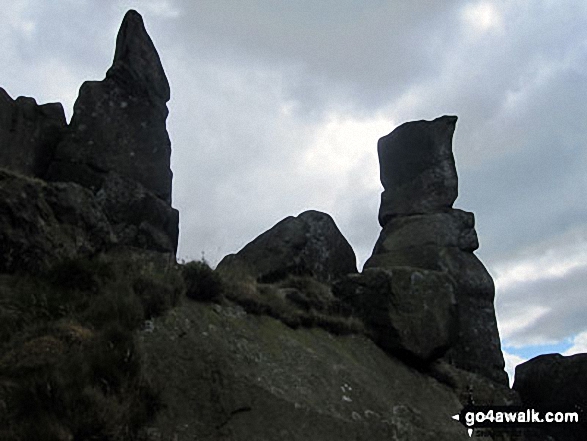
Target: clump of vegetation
<point x="297" y="301"/>
<point x="202" y="282"/>
<point x="69" y="364"/>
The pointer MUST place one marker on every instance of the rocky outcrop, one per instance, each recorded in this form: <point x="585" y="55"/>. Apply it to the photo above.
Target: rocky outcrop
<point x="309" y="244"/>
<point x="29" y="133"/>
<point x="231" y="375"/>
<point x="44" y="222"/>
<point x="421" y="230"/>
<point x="118" y="124"/>
<point x="101" y="184"/>
<point x="554" y="382"/>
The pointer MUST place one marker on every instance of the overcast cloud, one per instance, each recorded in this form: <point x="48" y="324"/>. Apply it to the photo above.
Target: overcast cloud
<point x="277" y="107"/>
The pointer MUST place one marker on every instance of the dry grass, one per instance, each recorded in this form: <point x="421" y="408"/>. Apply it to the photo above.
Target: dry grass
<point x="297" y="301"/>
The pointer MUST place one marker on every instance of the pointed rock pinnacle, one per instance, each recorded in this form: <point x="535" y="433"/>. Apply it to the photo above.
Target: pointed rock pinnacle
<point x="136" y="64"/>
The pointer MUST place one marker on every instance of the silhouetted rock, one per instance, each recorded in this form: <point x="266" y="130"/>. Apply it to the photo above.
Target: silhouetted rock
<point x="555" y="382"/>
<point x="417" y="168"/>
<point x="29" y="133"/>
<point x="309" y="244"/>
<point x="407" y="311"/>
<point x="118" y="124"/>
<point x="421" y="230"/>
<point x="116" y="146"/>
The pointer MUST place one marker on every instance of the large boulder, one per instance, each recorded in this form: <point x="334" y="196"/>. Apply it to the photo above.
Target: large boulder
<point x="309" y="244"/>
<point x="409" y="312"/>
<point x="555" y="382"/>
<point x="422" y="230"/>
<point x="417" y="168"/>
<point x="29" y="134"/>
<point x="118" y="124"/>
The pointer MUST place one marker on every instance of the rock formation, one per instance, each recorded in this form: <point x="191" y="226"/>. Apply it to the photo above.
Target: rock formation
<point x="103" y="182"/>
<point x="417" y="169"/>
<point x="424" y="300"/>
<point x="309" y="244"/>
<point x="118" y="124"/>
<point x="421" y="231"/>
<point x="553" y="382"/>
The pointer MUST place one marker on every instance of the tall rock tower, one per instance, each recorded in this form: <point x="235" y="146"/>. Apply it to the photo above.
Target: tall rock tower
<point x="118" y="124"/>
<point x="422" y="230"/>
<point x="117" y="143"/>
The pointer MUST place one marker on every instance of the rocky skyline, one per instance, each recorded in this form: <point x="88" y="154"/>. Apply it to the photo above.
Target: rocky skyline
<point x="277" y="111"/>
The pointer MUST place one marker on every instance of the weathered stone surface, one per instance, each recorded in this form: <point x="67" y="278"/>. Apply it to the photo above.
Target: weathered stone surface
<point x="29" y="134"/>
<point x="230" y="375"/>
<point x="118" y="124"/>
<point x="408" y="311"/>
<point x="309" y="244"/>
<point x="553" y="381"/>
<point x="417" y="168"/>
<point x="41" y="223"/>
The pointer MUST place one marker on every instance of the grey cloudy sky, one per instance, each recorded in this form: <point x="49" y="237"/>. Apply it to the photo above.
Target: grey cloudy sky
<point x="277" y="107"/>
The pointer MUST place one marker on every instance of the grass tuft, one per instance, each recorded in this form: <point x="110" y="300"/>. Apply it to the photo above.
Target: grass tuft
<point x="297" y="301"/>
<point x="202" y="282"/>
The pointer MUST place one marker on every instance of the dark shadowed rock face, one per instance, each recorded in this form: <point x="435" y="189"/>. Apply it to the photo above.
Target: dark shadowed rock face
<point x="309" y="244"/>
<point x="407" y="311"/>
<point x="118" y="124"/>
<point x="29" y="133"/>
<point x="554" y="381"/>
<point x="41" y="223"/>
<point x="417" y="168"/>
